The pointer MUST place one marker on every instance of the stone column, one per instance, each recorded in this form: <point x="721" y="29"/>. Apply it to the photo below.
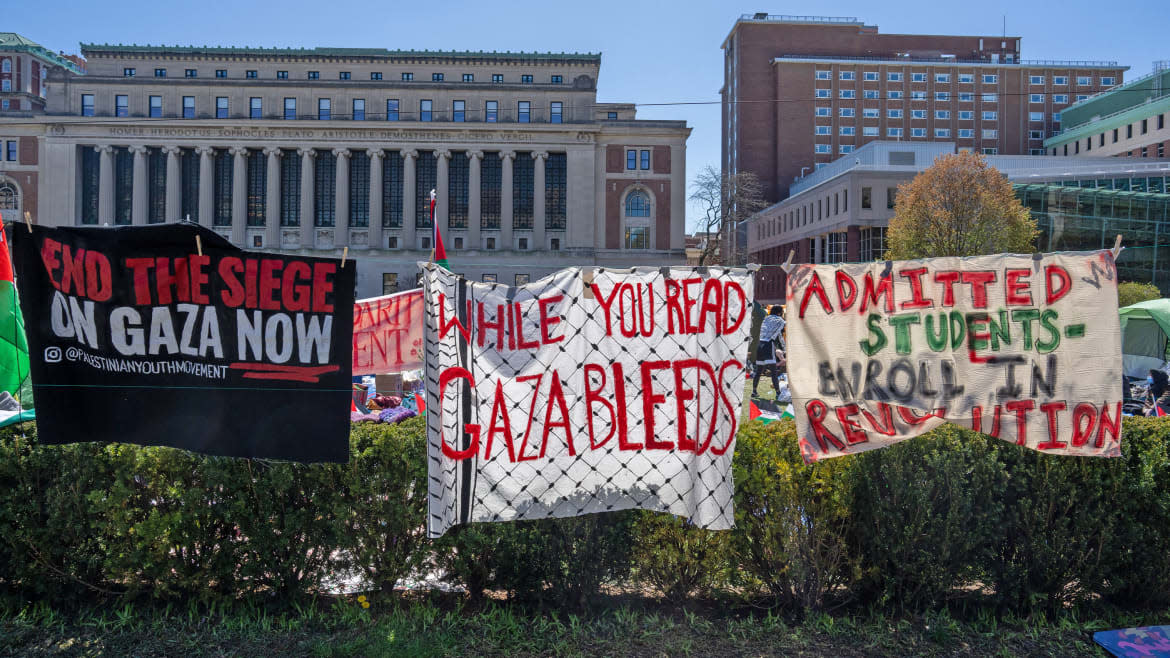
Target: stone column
<point x="408" y="206"/>
<point x="443" y="192"/>
<point x="307" y="185"/>
<point x="138" y="203"/>
<point x="174" y="184"/>
<point x="538" y="214"/>
<point x="341" y="198"/>
<point x="206" y="185"/>
<point x="239" y="195"/>
<point x="506" y="159"/>
<point x="105" y="184"/>
<point x="474" y="207"/>
<point x="272" y="199"/>
<point x="375" y="154"/>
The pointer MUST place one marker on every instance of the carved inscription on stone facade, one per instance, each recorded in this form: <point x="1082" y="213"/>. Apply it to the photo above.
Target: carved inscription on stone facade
<point x="387" y="134"/>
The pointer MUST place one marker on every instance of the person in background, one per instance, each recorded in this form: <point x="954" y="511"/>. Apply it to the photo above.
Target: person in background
<point x="1159" y="384"/>
<point x="766" y="351"/>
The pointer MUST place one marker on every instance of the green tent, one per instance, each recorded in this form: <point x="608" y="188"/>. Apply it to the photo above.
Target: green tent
<point x="1144" y="330"/>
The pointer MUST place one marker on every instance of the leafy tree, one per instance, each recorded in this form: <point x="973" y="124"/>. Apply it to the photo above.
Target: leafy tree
<point x="727" y="200"/>
<point x="1132" y="292"/>
<point x="959" y="206"/>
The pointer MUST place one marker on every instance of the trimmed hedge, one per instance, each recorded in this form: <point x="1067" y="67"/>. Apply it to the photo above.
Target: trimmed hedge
<point x="948" y="515"/>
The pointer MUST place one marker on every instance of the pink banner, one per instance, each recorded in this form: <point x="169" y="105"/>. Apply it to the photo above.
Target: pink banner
<point x="388" y="333"/>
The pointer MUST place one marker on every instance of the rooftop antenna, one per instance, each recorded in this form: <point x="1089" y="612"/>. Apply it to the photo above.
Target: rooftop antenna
<point x="1005" y="26"/>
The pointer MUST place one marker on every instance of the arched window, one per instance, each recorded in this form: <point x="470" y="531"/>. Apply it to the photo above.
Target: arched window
<point x="637" y="205"/>
<point x="9" y="196"/>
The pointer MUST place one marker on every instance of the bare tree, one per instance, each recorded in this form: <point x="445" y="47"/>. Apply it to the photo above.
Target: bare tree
<point x="728" y="200"/>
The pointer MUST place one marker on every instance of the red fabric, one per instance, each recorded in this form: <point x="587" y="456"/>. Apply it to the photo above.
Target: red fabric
<point x="754" y="411"/>
<point x="1158" y="411"/>
<point x="5" y="259"/>
<point x="420" y="403"/>
<point x="440" y="251"/>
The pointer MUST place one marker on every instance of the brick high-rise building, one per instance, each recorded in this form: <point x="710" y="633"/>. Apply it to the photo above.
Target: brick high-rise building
<point x="801" y="91"/>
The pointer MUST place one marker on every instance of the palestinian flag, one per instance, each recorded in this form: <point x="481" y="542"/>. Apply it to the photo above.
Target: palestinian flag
<point x="14" y="371"/>
<point x="768" y="411"/>
<point x="439" y="253"/>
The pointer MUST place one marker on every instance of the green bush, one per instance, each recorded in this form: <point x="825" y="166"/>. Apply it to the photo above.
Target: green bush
<point x="677" y="558"/>
<point x="792" y="520"/>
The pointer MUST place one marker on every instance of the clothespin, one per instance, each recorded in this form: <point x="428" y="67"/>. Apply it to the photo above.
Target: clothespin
<point x="787" y="266"/>
<point x="344" y="255"/>
<point x="587" y="279"/>
<point x="753" y="267"/>
<point x="1116" y="247"/>
<point x="28" y="220"/>
<point x="198" y="245"/>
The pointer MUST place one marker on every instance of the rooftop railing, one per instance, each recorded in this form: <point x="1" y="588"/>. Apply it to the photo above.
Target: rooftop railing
<point x="786" y="18"/>
<point x="960" y="60"/>
<point x="1095" y="118"/>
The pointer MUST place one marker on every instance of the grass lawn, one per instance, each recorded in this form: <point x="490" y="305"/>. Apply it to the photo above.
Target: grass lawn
<point x="446" y="627"/>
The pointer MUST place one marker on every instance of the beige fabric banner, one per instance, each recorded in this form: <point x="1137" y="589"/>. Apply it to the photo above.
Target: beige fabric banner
<point x="1024" y="348"/>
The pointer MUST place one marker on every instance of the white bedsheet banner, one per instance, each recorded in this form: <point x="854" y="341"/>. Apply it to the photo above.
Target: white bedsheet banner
<point x="1024" y="348"/>
<point x="558" y="399"/>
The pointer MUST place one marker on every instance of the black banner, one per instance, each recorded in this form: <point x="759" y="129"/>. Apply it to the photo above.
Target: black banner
<point x="135" y="337"/>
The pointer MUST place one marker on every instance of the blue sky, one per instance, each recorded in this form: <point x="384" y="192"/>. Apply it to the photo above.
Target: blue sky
<point x="653" y="51"/>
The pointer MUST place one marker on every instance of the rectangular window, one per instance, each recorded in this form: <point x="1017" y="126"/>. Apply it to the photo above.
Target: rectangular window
<point x="990" y="134"/>
<point x="1036" y="98"/>
<point x="251" y="74"/>
<point x="1056" y="117"/>
<point x="324" y="109"/>
<point x="359" y="189"/>
<point x="846" y="148"/>
<point x="221" y="73"/>
<point x="189" y="184"/>
<point x="389" y="283"/>
<point x="290" y="189"/>
<point x="966" y="78"/>
<point x="10" y="147"/>
<point x="918" y="95"/>
<point x="392" y="190"/>
<point x="942" y="77"/>
<point x="257" y="178"/>
<point x="942" y="95"/>
<point x="824" y="75"/>
<point x="458" y="189"/>
<point x="966" y="115"/>
<point x="894" y="77"/>
<point x="325" y="184"/>
<point x="942" y="114"/>
<point x="190" y="73"/>
<point x="123" y="186"/>
<point x="497" y="77"/>
<point x="121" y="106"/>
<point x="256" y="107"/>
<point x="1060" y="79"/>
<point x="1108" y="81"/>
<point x="631" y="159"/>
<point x="1145" y="125"/>
<point x="918" y="132"/>
<point x="942" y="132"/>
<point x="893" y="132"/>
<point x="222" y="188"/>
<point x="424" y="110"/>
<point x="637" y="237"/>
<point x="375" y="75"/>
<point x="359" y="109"/>
<point x="425" y="180"/>
<point x="823" y="148"/>
<point x="918" y="77"/>
<point x="990" y="79"/>
<point x="990" y="116"/>
<point x="458" y="111"/>
<point x="891" y="197"/>
<point x="555" y="110"/>
<point x="871" y="76"/>
<point x="1036" y="80"/>
<point x="966" y="133"/>
<point x="866" y="194"/>
<point x="846" y="75"/>
<point x="848" y="131"/>
<point x="469" y="77"/>
<point x="282" y="75"/>
<point x="221" y="107"/>
<point x="893" y="95"/>
<point x="611" y="115"/>
<point x="489" y="278"/>
<point x="823" y="130"/>
<point x="314" y="75"/>
<point x="966" y="97"/>
<point x="1114" y="135"/>
<point x="129" y="72"/>
<point x="1129" y="131"/>
<point x="526" y="79"/>
<point x="871" y="94"/>
<point x="188" y="107"/>
<point x="917" y="114"/>
<point x="491" y="111"/>
<point x="869" y="131"/>
<point x="392" y="109"/>
<point x="824" y="93"/>
<point x="848" y="93"/>
<point x="848" y="112"/>
<point x="871" y="113"/>
<point x="290" y="108"/>
<point x="990" y="151"/>
<point x="523" y="196"/>
<point x="344" y="75"/>
<point x="160" y="73"/>
<point x="1084" y="80"/>
<point x="436" y="77"/>
<point x="645" y="159"/>
<point x="1060" y="98"/>
<point x="87" y="105"/>
<point x="1082" y="97"/>
<point x="1161" y="121"/>
<point x="523" y="111"/>
<point x="1039" y="134"/>
<point x="407" y="77"/>
<point x="1036" y="116"/>
<point x="156" y="106"/>
<point x="824" y="112"/>
<point x="894" y="114"/>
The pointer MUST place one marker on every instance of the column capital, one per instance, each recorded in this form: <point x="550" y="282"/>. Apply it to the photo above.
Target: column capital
<point x="137" y="149"/>
<point x="410" y="155"/>
<point x="273" y="150"/>
<point x="312" y="153"/>
<point x="375" y="152"/>
<point x="205" y="150"/>
<point x="475" y="155"/>
<point x="507" y="155"/>
<point x="443" y="154"/>
<point x="238" y="150"/>
<point x="540" y="155"/>
<point x="341" y="152"/>
<point x="104" y="148"/>
<point x="172" y="150"/>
